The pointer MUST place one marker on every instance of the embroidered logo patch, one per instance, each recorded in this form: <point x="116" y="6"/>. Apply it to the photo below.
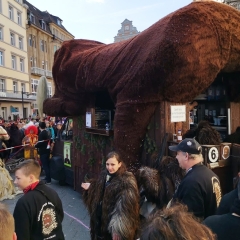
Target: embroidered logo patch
<point x="49" y="222"/>
<point x="189" y="143"/>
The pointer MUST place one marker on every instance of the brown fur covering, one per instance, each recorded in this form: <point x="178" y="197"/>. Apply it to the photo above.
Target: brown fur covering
<point x="174" y="60"/>
<point x="204" y="134"/>
<point x="175" y="223"/>
<point x="159" y="185"/>
<point x="120" y="205"/>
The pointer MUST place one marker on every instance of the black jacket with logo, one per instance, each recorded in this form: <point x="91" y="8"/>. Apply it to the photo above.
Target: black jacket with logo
<point x="200" y="191"/>
<point x="38" y="217"/>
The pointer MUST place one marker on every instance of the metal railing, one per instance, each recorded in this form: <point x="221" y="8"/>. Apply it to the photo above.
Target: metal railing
<point x="11" y="94"/>
<point x="41" y="72"/>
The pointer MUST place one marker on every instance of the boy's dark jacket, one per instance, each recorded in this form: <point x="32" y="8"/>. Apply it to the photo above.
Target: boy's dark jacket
<point x="34" y="216"/>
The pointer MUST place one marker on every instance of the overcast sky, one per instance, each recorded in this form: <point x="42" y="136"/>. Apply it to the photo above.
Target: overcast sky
<point x="100" y="20"/>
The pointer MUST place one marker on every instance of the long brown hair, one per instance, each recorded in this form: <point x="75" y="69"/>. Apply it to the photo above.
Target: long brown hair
<point x="118" y="158"/>
<point x="175" y="223"/>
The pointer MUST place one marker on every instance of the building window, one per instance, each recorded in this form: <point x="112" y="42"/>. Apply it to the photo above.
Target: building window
<point x="54" y="48"/>
<point x="34" y="84"/>
<point x="20" y="40"/>
<point x="0" y="6"/>
<point x="33" y="41"/>
<point x="59" y="22"/>
<point x="43" y="25"/>
<point x="21" y="64"/>
<point x="23" y="87"/>
<point x="30" y="40"/>
<point x="12" y="36"/>
<point x="10" y="10"/>
<point x="43" y="65"/>
<point x="15" y="86"/>
<point x="19" y="18"/>
<point x="2" y="85"/>
<point x="32" y="18"/>
<point x="46" y="65"/>
<point x="31" y="61"/>
<point x="13" y="62"/>
<point x="53" y="31"/>
<point x="42" y="45"/>
<point x="1" y="32"/>
<point x="1" y="58"/>
<point x="49" y="89"/>
<point x="46" y="46"/>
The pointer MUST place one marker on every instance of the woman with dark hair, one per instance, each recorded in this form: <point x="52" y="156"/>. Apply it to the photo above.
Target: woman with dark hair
<point x="175" y="223"/>
<point x="113" y="202"/>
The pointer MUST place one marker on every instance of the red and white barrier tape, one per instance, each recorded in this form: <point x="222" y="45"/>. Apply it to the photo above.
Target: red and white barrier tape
<point x="24" y="145"/>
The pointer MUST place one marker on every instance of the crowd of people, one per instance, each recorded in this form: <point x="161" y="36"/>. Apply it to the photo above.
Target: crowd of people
<point x="18" y="129"/>
<point x="196" y="210"/>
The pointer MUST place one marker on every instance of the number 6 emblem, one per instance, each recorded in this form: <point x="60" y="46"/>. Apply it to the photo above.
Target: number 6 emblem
<point x="213" y="154"/>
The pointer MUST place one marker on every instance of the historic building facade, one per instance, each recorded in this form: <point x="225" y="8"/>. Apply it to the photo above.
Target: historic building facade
<point x="14" y="77"/>
<point x="127" y="31"/>
<point x="45" y="34"/>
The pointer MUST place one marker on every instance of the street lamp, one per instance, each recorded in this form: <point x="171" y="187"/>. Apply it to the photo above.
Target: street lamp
<point x="27" y="94"/>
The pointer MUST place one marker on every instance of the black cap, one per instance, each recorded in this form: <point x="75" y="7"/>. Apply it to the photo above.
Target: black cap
<point x="189" y="145"/>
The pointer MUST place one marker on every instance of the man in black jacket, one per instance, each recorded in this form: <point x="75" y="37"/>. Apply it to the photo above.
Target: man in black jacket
<point x="200" y="188"/>
<point x="38" y="213"/>
<point x="43" y="146"/>
<point x="226" y="226"/>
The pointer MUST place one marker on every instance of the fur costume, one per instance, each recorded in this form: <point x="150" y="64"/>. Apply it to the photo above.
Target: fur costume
<point x="15" y="140"/>
<point x="159" y="185"/>
<point x="204" y="134"/>
<point x="174" y="60"/>
<point x="30" y="138"/>
<point x="7" y="188"/>
<point x="120" y="205"/>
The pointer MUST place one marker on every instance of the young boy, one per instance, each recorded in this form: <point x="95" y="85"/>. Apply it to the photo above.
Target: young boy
<point x="38" y="213"/>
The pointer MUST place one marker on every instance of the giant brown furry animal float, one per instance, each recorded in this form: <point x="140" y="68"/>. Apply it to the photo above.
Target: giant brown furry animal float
<point x="173" y="60"/>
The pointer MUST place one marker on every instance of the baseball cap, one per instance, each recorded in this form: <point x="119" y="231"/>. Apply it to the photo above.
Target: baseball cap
<point x="189" y="145"/>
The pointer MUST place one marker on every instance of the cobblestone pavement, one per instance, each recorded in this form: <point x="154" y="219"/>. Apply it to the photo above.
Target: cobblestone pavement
<point x="76" y="218"/>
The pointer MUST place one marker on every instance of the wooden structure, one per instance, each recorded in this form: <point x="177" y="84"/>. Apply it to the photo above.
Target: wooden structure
<point x="90" y="145"/>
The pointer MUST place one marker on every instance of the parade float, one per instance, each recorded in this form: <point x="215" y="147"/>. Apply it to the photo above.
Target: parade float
<point x="134" y="96"/>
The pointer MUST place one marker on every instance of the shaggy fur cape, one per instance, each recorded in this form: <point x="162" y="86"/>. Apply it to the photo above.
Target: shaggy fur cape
<point x="205" y="134"/>
<point x="160" y="185"/>
<point x="120" y="205"/>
